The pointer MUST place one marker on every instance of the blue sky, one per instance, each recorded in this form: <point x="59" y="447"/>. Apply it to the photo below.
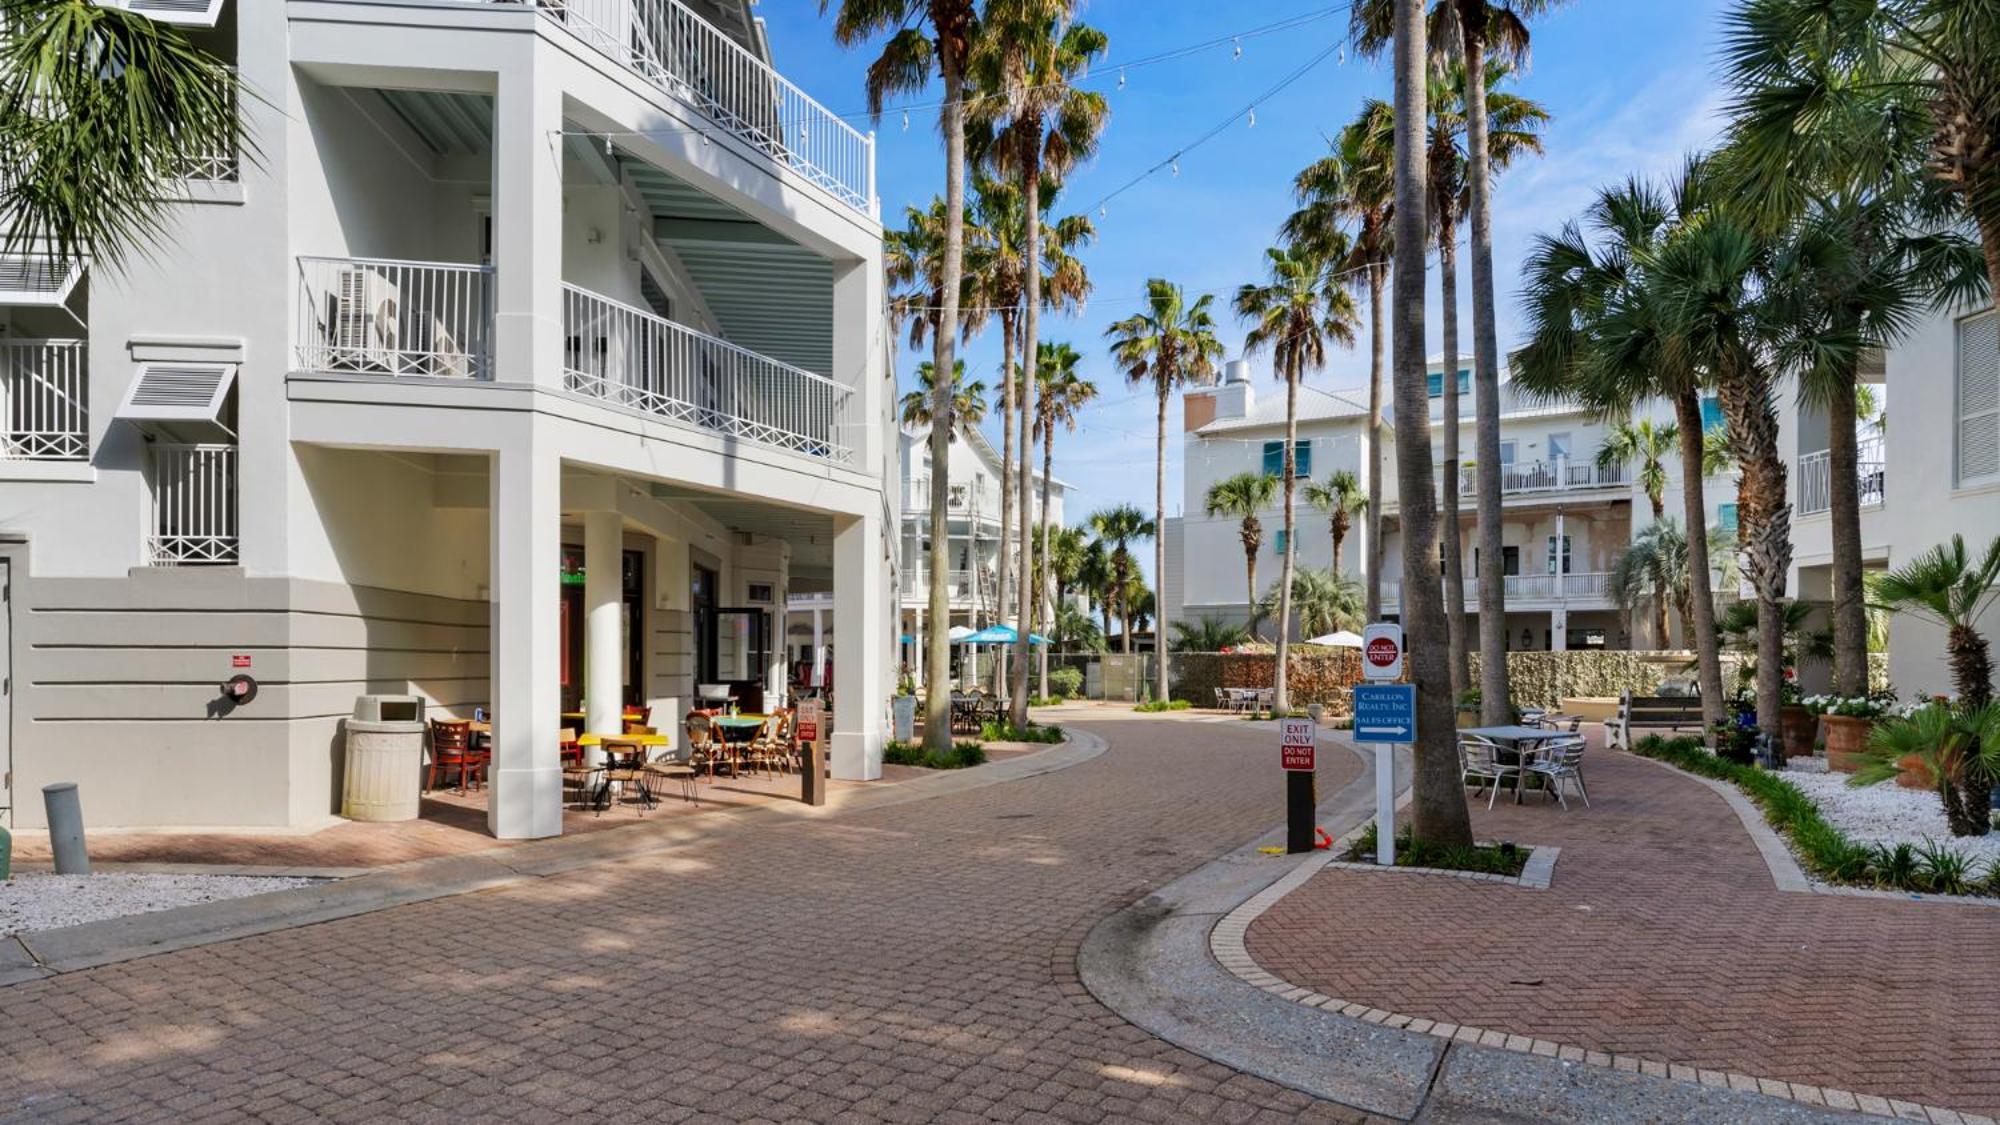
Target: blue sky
<point x="1631" y="87"/>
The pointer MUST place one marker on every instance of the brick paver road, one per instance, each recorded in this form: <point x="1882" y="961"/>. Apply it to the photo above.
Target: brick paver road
<point x="1663" y="937"/>
<point x="913" y="963"/>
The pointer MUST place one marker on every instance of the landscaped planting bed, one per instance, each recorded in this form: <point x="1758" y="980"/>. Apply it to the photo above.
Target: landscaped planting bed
<point x="1887" y="813"/>
<point x="46" y="902"/>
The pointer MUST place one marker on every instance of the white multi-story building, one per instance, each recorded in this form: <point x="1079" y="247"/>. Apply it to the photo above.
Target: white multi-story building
<point x="1929" y="470"/>
<point x="531" y="362"/>
<point x="1566" y="520"/>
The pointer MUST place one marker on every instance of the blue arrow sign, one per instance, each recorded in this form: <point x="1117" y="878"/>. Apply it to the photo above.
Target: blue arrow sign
<point x="1385" y="712"/>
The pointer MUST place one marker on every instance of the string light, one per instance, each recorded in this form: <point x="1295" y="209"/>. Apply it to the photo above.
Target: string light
<point x="1238" y="53"/>
<point x="1253" y="118"/>
<point x="1177" y="167"/>
<point x="906" y="121"/>
<point x="1121" y="78"/>
<point x="1342" y="59"/>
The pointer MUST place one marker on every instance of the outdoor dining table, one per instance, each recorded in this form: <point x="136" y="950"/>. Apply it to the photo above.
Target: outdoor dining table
<point x="626" y="752"/>
<point x="1517" y="740"/>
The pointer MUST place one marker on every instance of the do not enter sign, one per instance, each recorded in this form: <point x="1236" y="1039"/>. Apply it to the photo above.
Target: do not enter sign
<point x="1382" y="651"/>
<point x="1300" y="739"/>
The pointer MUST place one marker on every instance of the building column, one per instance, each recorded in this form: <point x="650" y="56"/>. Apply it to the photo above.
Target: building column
<point x="861" y="586"/>
<point x="1559" y="629"/>
<point x="819" y="647"/>
<point x="527" y="226"/>
<point x="526" y="772"/>
<point x="919" y="661"/>
<point x="603" y="632"/>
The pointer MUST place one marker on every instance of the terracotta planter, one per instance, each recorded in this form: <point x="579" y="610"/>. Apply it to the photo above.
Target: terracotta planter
<point x="1912" y="773"/>
<point x="1468" y="719"/>
<point x="1797" y="724"/>
<point x="1846" y="741"/>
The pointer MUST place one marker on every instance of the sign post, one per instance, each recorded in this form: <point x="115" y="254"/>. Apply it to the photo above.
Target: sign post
<point x="811" y="735"/>
<point x="1386" y="715"/>
<point x="1298" y="744"/>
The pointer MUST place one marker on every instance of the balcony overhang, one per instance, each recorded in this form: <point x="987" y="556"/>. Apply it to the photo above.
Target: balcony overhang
<point x="188" y="13"/>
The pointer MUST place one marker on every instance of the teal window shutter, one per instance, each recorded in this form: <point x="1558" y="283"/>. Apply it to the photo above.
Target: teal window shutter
<point x="1274" y="458"/>
<point x="1725" y="517"/>
<point x="1711" y="413"/>
<point x="1434" y="384"/>
<point x="1302" y="457"/>
<point x="1278" y="542"/>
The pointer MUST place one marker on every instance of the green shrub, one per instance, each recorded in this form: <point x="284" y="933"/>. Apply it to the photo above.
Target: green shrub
<point x="1486" y="859"/>
<point x="961" y="755"/>
<point x="1033" y="732"/>
<point x="1825" y="850"/>
<point x="1164" y="705"/>
<point x="1066" y="682"/>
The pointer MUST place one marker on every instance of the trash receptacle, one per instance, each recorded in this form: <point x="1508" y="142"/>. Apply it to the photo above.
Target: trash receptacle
<point x="385" y="758"/>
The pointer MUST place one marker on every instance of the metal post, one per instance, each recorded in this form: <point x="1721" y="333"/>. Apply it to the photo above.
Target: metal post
<point x="65" y="813"/>
<point x="1385" y="804"/>
<point x="1300" y="803"/>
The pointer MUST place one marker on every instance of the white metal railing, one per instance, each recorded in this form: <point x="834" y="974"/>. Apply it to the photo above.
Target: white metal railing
<point x="379" y="316"/>
<point x="670" y="46"/>
<point x="632" y="357"/>
<point x="1815" y="487"/>
<point x="960" y="585"/>
<point x="222" y="165"/>
<point x="194" y="505"/>
<point x="1574" y="586"/>
<point x="44" y="403"/>
<point x="1545" y="476"/>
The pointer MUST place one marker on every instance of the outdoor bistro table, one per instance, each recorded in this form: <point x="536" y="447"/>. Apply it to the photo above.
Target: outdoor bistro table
<point x="1518" y="741"/>
<point x="623" y="751"/>
<point x="735" y="731"/>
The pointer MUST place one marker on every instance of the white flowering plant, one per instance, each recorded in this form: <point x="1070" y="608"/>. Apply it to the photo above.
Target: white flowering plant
<point x="1872" y="706"/>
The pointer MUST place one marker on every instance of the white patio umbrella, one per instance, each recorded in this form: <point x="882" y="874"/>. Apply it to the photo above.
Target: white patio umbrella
<point x="1342" y="639"/>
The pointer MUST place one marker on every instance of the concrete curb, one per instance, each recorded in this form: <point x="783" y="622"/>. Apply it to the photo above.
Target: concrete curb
<point x="1175" y="965"/>
<point x="43" y="953"/>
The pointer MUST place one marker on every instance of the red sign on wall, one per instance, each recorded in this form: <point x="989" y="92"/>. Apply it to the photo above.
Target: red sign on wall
<point x="239" y="660"/>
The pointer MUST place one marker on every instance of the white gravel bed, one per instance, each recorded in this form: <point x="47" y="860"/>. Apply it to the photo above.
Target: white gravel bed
<point x="45" y="902"/>
<point x="1887" y="813"/>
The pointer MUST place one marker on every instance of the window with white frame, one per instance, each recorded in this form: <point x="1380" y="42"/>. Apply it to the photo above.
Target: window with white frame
<point x="1977" y="404"/>
<point x="1566" y="569"/>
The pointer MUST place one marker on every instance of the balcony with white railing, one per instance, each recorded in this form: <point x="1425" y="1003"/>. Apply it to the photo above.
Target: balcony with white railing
<point x="1559" y="475"/>
<point x="1815" y="478"/>
<point x="963" y="587"/>
<point x="44" y="388"/>
<point x="633" y="358"/>
<point x="665" y="43"/>
<point x="1533" y="590"/>
<point x="194" y="505"/>
<point x="379" y="316"/>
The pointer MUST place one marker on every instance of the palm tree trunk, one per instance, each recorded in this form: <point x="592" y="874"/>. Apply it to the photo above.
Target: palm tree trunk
<point x="1281" y="701"/>
<point x="1160" y="544"/>
<point x="1454" y="551"/>
<point x="937" y="696"/>
<point x="1850" y="614"/>
<point x="1250" y="582"/>
<point x="1339" y="541"/>
<point x="1007" y="361"/>
<point x="1031" y="257"/>
<point x="1494" y="703"/>
<point x="1764" y="523"/>
<point x="1374" y="514"/>
<point x="1701" y="592"/>
<point x="1972" y="676"/>
<point x="1438" y="813"/>
<point x="1045" y="608"/>
<point x="1661" y="638"/>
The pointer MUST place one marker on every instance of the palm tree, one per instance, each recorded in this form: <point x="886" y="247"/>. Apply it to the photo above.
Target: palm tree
<point x="1654" y="571"/>
<point x="1093" y="574"/>
<point x="1209" y="634"/>
<point x="1241" y="497"/>
<point x="1838" y="97"/>
<point x="1301" y="307"/>
<point x="1117" y="528"/>
<point x="968" y="400"/>
<point x="1339" y="496"/>
<point x="1041" y="125"/>
<point x="1515" y="124"/>
<point x="1596" y="334"/>
<point x="1356" y="184"/>
<point x="905" y="65"/>
<point x="1438" y="812"/>
<point x="1169" y="343"/>
<point x="1063" y="395"/>
<point x="1708" y="281"/>
<point x="1648" y="445"/>
<point x="1324" y="601"/>
<point x="1961" y="747"/>
<point x="102" y="111"/>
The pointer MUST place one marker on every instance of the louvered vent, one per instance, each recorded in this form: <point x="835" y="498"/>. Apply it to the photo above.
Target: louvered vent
<point x="203" y="13"/>
<point x="35" y="280"/>
<point x="1979" y="399"/>
<point x="178" y="392"/>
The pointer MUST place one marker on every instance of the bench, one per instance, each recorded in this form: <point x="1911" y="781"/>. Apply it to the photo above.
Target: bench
<point x="1651" y="712"/>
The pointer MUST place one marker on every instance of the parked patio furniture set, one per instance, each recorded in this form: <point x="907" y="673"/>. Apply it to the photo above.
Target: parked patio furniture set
<point x="1543" y="746"/>
<point x="1243" y="699"/>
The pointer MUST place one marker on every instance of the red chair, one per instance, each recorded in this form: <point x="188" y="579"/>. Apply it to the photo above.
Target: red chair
<point x="451" y="750"/>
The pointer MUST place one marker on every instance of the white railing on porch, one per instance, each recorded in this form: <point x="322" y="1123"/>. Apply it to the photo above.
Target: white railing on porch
<point x="1815" y="488"/>
<point x="194" y="505"/>
<point x="1546" y="476"/>
<point x="1574" y="586"/>
<point x="670" y="46"/>
<point x="380" y="316"/>
<point x="44" y="400"/>
<point x="634" y="358"/>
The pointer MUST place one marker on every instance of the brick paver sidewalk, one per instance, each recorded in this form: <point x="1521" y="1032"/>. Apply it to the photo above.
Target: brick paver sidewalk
<point x="912" y="963"/>
<point x="1663" y="937"/>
